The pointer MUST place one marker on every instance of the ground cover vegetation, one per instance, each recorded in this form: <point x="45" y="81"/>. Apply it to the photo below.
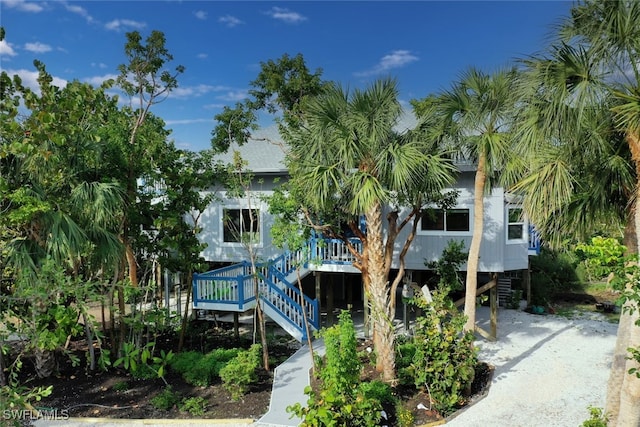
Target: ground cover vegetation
<point x="95" y="198"/>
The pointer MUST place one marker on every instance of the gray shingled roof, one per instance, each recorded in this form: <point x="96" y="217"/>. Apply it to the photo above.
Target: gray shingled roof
<point x="264" y="153"/>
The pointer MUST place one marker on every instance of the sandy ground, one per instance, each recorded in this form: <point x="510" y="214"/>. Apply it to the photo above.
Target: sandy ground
<point x="548" y="371"/>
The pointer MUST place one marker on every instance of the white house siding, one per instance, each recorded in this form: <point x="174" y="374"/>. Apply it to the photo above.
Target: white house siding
<point x="496" y="253"/>
<point x="212" y="227"/>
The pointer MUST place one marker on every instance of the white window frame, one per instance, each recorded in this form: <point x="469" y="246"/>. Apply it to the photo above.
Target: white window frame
<point x="446" y="232"/>
<point x="522" y="223"/>
<point x="257" y="244"/>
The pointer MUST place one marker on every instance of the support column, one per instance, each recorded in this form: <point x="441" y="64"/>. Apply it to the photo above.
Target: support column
<point x="317" y="276"/>
<point x="330" y="302"/>
<point x="526" y="278"/>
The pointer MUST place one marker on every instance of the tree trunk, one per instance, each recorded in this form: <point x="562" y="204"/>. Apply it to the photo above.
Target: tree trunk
<point x="384" y="333"/>
<point x="88" y="331"/>
<point x="623" y="392"/>
<point x="629" y="412"/>
<point x="45" y="362"/>
<point x="185" y="317"/>
<point x="474" y="250"/>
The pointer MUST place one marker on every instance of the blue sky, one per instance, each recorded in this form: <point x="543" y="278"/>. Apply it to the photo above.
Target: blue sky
<point x="425" y="45"/>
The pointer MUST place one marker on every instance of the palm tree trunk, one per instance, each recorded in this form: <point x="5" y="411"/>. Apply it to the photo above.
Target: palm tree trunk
<point x="623" y="392"/>
<point x="474" y="249"/>
<point x="45" y="362"/>
<point x="384" y="334"/>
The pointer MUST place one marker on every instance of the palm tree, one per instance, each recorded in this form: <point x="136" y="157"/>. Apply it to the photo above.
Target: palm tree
<point x="580" y="126"/>
<point x="476" y="116"/>
<point x="347" y="161"/>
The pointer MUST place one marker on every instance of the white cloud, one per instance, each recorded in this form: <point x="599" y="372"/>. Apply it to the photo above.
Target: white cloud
<point x="201" y="14"/>
<point x="37" y="47"/>
<point x="78" y="10"/>
<point x="214" y="106"/>
<point x="202" y="56"/>
<point x="98" y="80"/>
<point x="233" y="96"/>
<point x="187" y="121"/>
<point x="30" y="79"/>
<point x="6" y="49"/>
<point x="396" y="59"/>
<point x="23" y="6"/>
<point x="124" y="24"/>
<point x="230" y="21"/>
<point x="99" y="65"/>
<point x="195" y="91"/>
<point x="286" y="15"/>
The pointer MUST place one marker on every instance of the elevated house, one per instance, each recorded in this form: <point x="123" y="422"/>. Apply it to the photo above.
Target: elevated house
<point x="332" y="281"/>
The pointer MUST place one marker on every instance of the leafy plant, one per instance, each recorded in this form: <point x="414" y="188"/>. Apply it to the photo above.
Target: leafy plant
<point x="444" y="357"/>
<point x="202" y="369"/>
<point x="598" y="418"/>
<point x="121" y="386"/>
<point x="342" y="400"/>
<point x="196" y="406"/>
<point x="601" y="256"/>
<point x="141" y="362"/>
<point x="241" y="371"/>
<point x="166" y="399"/>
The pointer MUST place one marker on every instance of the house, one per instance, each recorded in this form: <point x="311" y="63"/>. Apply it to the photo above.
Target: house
<point x="228" y="222"/>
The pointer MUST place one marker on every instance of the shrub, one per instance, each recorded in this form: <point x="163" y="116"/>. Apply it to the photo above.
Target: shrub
<point x="202" y="369"/>
<point x="597" y="418"/>
<point x="341" y="367"/>
<point x="166" y="399"/>
<point x="342" y="400"/>
<point x="445" y="358"/>
<point x="196" y="406"/>
<point x="552" y="272"/>
<point x="241" y="371"/>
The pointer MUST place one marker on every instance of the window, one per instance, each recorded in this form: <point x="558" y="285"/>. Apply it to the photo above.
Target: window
<point x="241" y="225"/>
<point x="515" y="226"/>
<point x="445" y="220"/>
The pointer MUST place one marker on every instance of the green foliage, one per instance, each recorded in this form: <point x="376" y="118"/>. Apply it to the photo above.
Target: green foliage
<point x="404" y="416"/>
<point x="447" y="267"/>
<point x="196" y="406"/>
<point x="341" y="367"/>
<point x="166" y="399"/>
<point x="241" y="371"/>
<point x="445" y="358"/>
<point x="598" y="418"/>
<point x="202" y="369"/>
<point x="141" y="361"/>
<point x="602" y="256"/>
<point x="551" y="272"/>
<point x="121" y="386"/>
<point x="342" y="400"/>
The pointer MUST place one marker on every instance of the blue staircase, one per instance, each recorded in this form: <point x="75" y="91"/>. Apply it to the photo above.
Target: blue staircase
<point x="233" y="288"/>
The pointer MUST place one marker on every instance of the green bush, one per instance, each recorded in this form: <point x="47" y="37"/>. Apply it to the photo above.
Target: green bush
<point x="552" y="272"/>
<point x="241" y="371"/>
<point x="597" y="418"/>
<point x="196" y="406"/>
<point x="202" y="369"/>
<point x="166" y="399"/>
<point x="445" y="358"/>
<point x="342" y="400"/>
<point x="341" y="367"/>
